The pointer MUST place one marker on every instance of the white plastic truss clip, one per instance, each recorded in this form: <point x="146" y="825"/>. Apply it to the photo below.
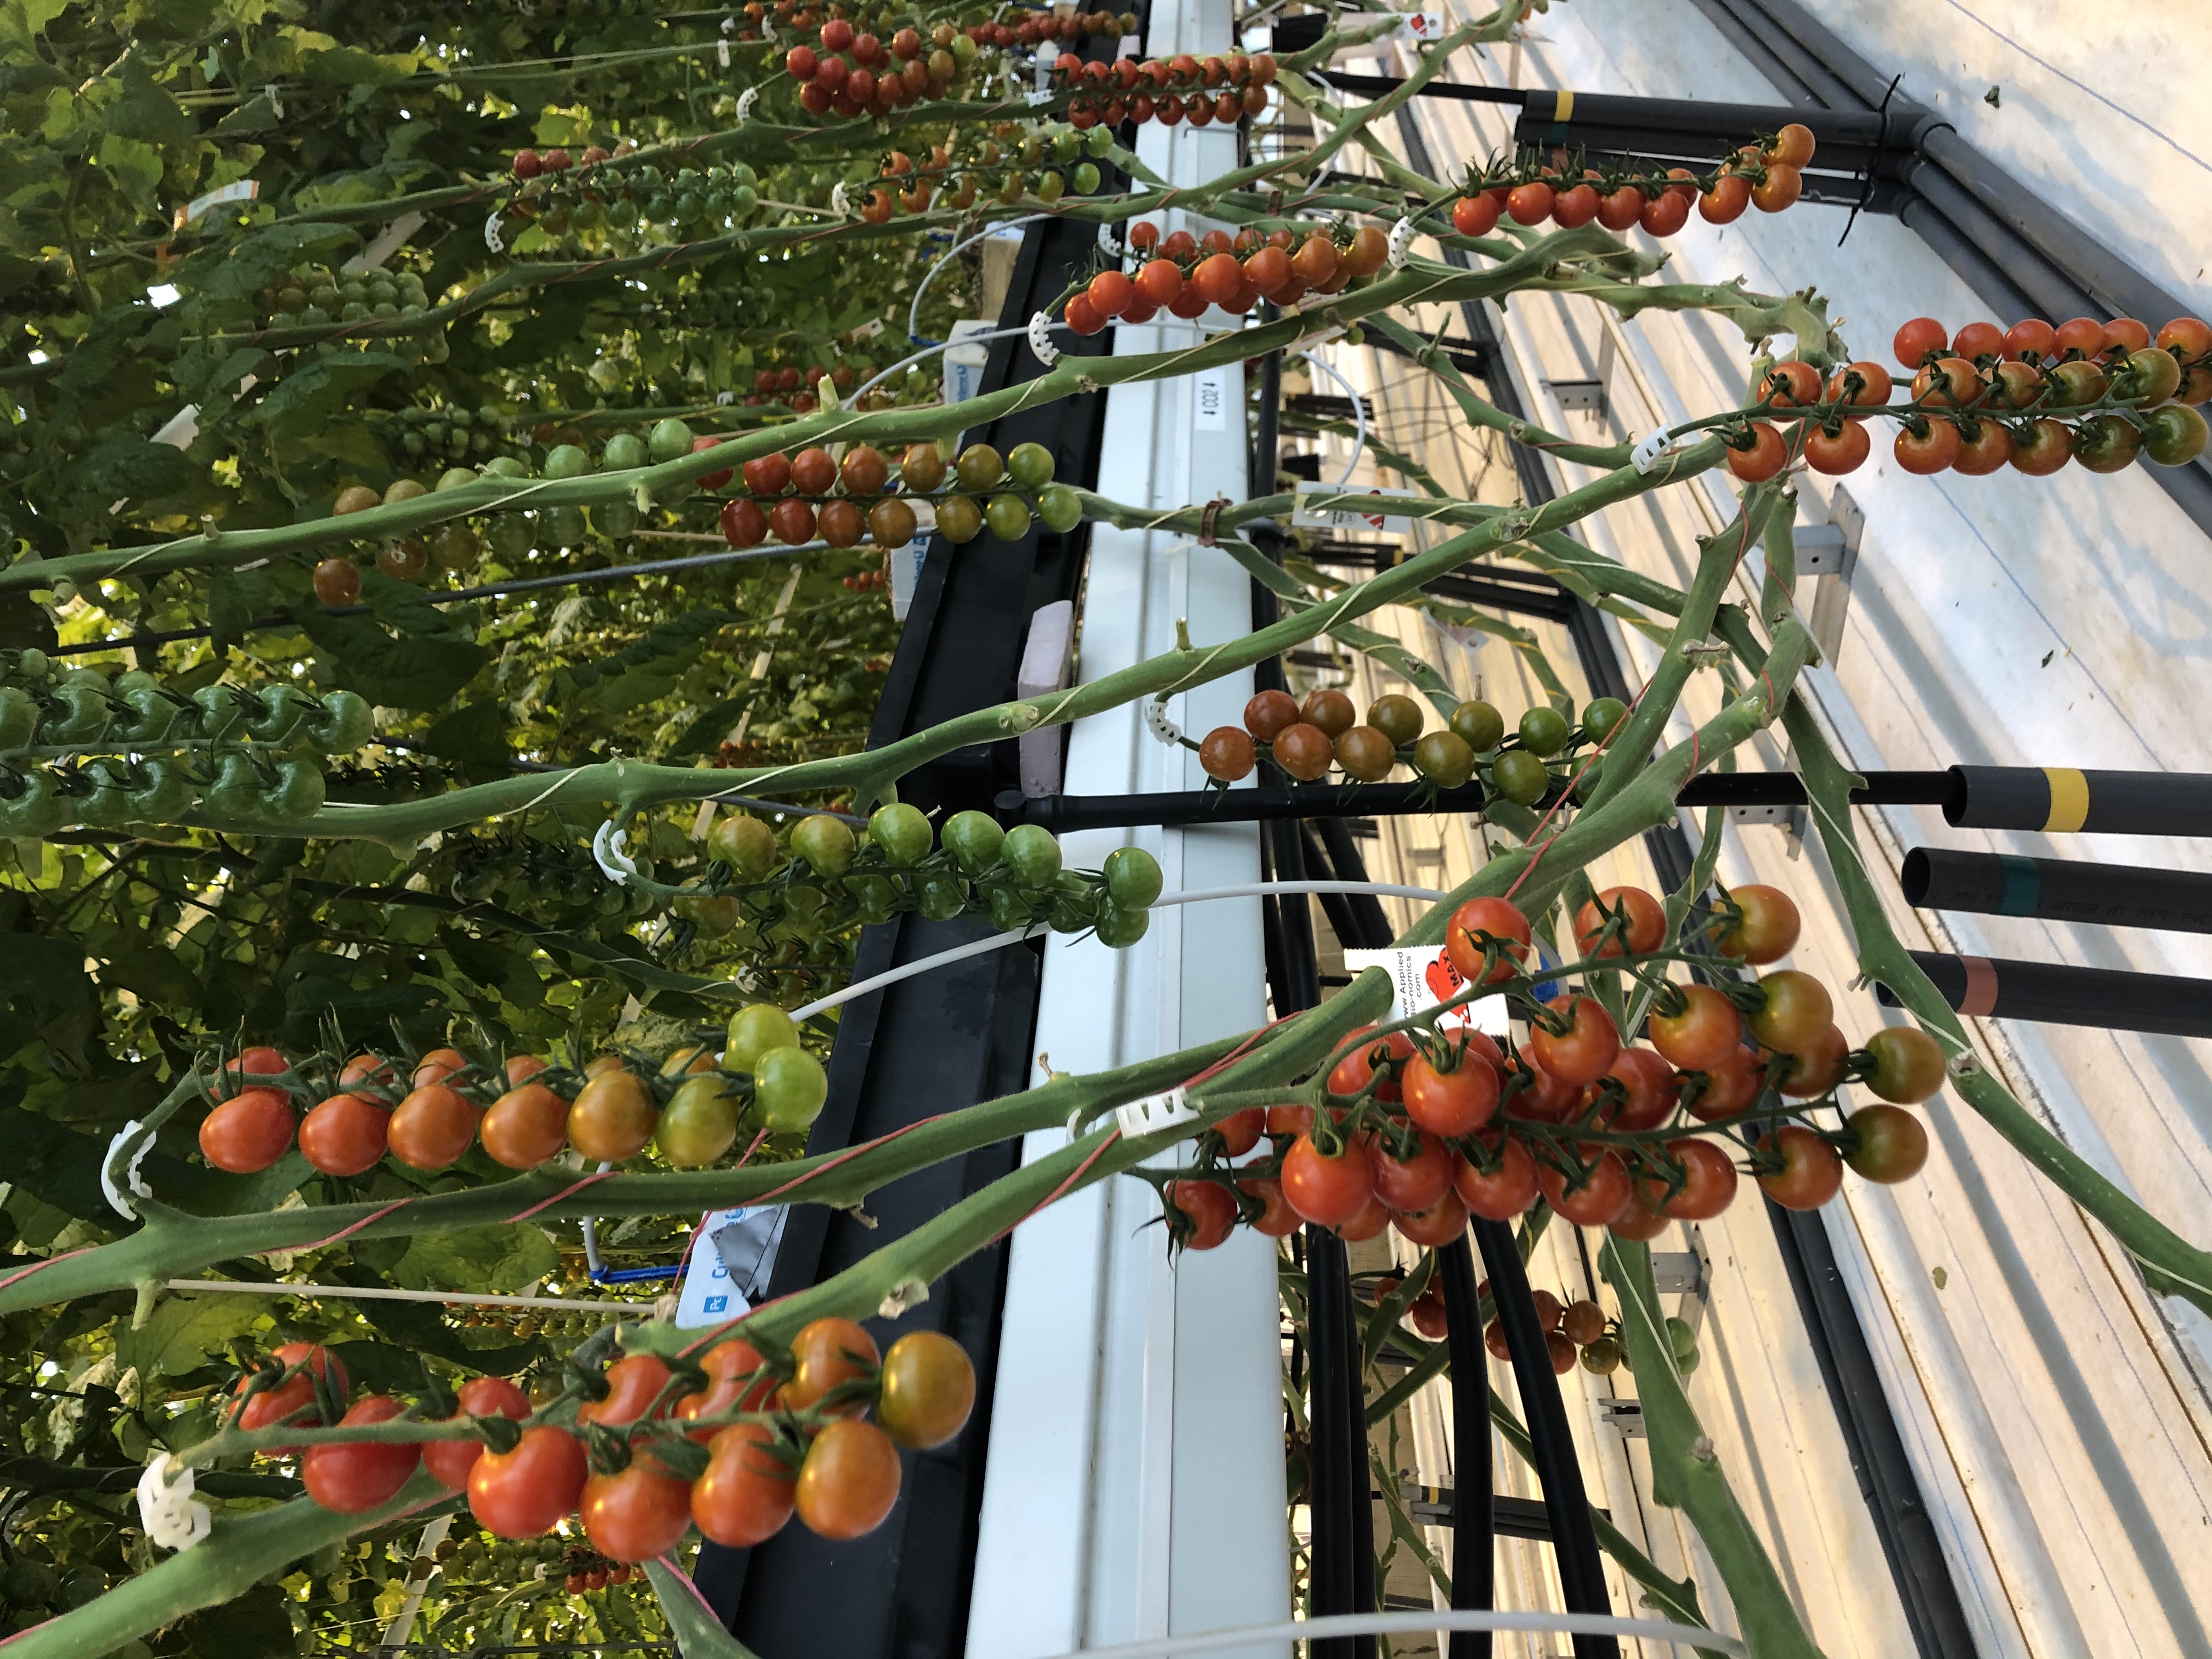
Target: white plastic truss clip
<point x="1154" y="1112"/>
<point x="171" y="1518"/>
<point x="1041" y="343"/>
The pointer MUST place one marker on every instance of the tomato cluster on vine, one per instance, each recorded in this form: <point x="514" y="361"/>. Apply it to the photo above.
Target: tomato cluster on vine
<point x="1427" y="1127"/>
<point x="734" y="1443"/>
<point x="2033" y="397"/>
<point x="1186" y="274"/>
<point x="1303" y="740"/>
<point x="850" y="73"/>
<point x="802" y="506"/>
<point x="1768" y="176"/>
<point x="1183" y="88"/>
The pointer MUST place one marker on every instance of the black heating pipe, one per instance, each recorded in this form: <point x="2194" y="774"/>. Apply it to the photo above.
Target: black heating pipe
<point x="2058" y="889"/>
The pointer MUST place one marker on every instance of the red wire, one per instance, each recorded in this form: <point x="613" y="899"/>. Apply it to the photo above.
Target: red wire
<point x="598" y="1176"/>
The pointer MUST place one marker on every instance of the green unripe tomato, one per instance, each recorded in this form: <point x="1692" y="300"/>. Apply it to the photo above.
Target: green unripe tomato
<point x="979" y="468"/>
<point x="1444" y="759"/>
<point x="1031" y="854"/>
<point x="974" y="840"/>
<point x="700" y="1123"/>
<point x="567" y="461"/>
<point x="1009" y="909"/>
<point x="1121" y="928"/>
<point x="1030" y="466"/>
<point x="1050" y="187"/>
<point x="508" y="537"/>
<point x="1520" y="777"/>
<point x="1544" y="731"/>
<point x="826" y="844"/>
<point x="1132" y="877"/>
<point x="940" y="898"/>
<point x="1397" y="717"/>
<point x="754" y="1029"/>
<point x="1085" y="179"/>
<point x="745" y="843"/>
<point x="903" y="832"/>
<point x="626" y="450"/>
<point x="564" y="527"/>
<point x="613" y="518"/>
<point x="1066" y="144"/>
<point x="1059" y="507"/>
<point x="959" y="519"/>
<point x="670" y="438"/>
<point x="713" y="914"/>
<point x="1074" y="903"/>
<point x="1602" y="717"/>
<point x="1099" y="140"/>
<point x="1008" y="517"/>
<point x="506" y="466"/>
<point x="454" y="477"/>
<point x="1478" y="725"/>
<point x="1680" y="1337"/>
<point x="789" y="1086"/>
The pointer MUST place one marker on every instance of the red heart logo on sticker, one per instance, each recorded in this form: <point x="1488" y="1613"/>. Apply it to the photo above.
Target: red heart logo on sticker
<point x="1444" y="979"/>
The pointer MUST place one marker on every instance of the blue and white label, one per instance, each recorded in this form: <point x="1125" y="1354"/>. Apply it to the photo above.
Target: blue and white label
<point x="708" y="1297"/>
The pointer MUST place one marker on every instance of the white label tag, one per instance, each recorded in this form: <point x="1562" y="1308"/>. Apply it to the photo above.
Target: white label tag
<point x="708" y="1297"/>
<point x="1421" y="25"/>
<point x="244" y="190"/>
<point x="1422" y="976"/>
<point x="906" y="576"/>
<point x="1209" y="406"/>
<point x="1346" y="517"/>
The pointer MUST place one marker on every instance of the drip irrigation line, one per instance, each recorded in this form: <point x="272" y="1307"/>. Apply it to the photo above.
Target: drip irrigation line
<point x="385" y="1293"/>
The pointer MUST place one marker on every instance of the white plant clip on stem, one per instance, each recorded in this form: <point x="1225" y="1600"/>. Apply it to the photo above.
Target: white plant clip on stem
<point x="1154" y="1112"/>
<point x="1113" y="249"/>
<point x="1401" y="244"/>
<point x="609" y="851"/>
<point x="137" y="1182"/>
<point x="1157" y="723"/>
<point x="745" y="99"/>
<point x="171" y="1518"/>
<point x="840" y="203"/>
<point x="1652" y="448"/>
<point x="1040" y="339"/>
<point x="493" y="240"/>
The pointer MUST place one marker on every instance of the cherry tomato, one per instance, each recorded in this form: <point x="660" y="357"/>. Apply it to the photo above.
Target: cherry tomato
<point x="1581" y="1322"/>
<point x="371" y="1069"/>
<point x="1929" y="450"/>
<point x="1766" y="927"/>
<point x="1951" y="380"/>
<point x="747" y="1492"/>
<point x="1428" y="1313"/>
<point x="1493" y="923"/>
<point x="345" y="1134"/>
<point x="1985" y="453"/>
<point x="1475" y="215"/>
<point x="1700" y="1033"/>
<point x="1502" y="1193"/>
<point x="1277" y="1219"/>
<point x="1733" y="1085"/>
<point x="1451" y="1103"/>
<point x="2108" y="443"/>
<point x="1303" y="751"/>
<point x="634" y="1383"/>
<point x="1372" y="1221"/>
<point x="929" y="1390"/>
<point x="1436" y="1226"/>
<point x="2125" y="334"/>
<point x="1646" y="1094"/>
<point x="1207" y="1211"/>
<point x="353" y="1480"/>
<point x="307" y="1361"/>
<point x="827" y="1351"/>
<point x="1594" y="1200"/>
<point x="1919" y="340"/>
<point x="1638" y="921"/>
<point x="1542" y="1099"/>
<point x="437" y="1066"/>
<point x="1759" y="457"/>
<point x="637" y="1515"/>
<point x="249" y="1132"/>
<point x="1638" y="1220"/>
<point x="1327" y="1191"/>
<point x="1793" y="146"/>
<point x="1796" y="1013"/>
<point x="1725" y="202"/>
<point x="1887" y="1143"/>
<point x="256" y="1062"/>
<point x="433" y="1127"/>
<point x="1270" y="713"/>
<point x="1817" y="1069"/>
<point x="2045" y="449"/>
<point x="1227" y="754"/>
<point x="520" y="1068"/>
<point x="2083" y="334"/>
<point x="1862" y="384"/>
<point x="1530" y="203"/>
<point x="1790" y="385"/>
<point x="1622" y="209"/>
<point x="849" y="1481"/>
<point x="1708" y="1189"/>
<point x="1908" y="1064"/>
<point x="737" y="1380"/>
<point x="613" y="1116"/>
<point x="1351" y="1074"/>
<point x="2031" y="341"/>
<point x="1582" y="1053"/>
<point x="1667" y="213"/>
<point x="1811" y="1173"/>
<point x="1412" y="1184"/>
<point x="450" y="1461"/>
<point x="521" y="1494"/>
<point x="1494" y="1338"/>
<point x="525" y="1126"/>
<point x="1978" y="340"/>
<point x="1240" y="1131"/>
<point x="1834" y="453"/>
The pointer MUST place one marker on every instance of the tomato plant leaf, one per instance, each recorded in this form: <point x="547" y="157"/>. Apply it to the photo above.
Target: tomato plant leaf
<point x="504" y="1260"/>
<point x="399" y="673"/>
<point x="184" y="1332"/>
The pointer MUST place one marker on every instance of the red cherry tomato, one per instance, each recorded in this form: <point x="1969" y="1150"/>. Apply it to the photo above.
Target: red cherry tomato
<point x="1372" y="1221"/>
<point x="849" y="1481"/>
<point x="296" y="1394"/>
<point x="1929" y="451"/>
<point x="634" y="1382"/>
<point x="256" y="1062"/>
<point x="1701" y="1031"/>
<point x="1815" y="1070"/>
<point x="747" y="1492"/>
<point x="1542" y="1099"/>
<point x="433" y="1127"/>
<point x="1733" y="1085"/>
<point x="1327" y="1191"/>
<point x="1594" y="1200"/>
<point x="1451" y="1103"/>
<point x="1646" y="1096"/>
<point x="1765" y="930"/>
<point x="1207" y="1211"/>
<point x="737" y="1380"/>
<point x="1351" y="1074"/>
<point x="249" y="1132"/>
<point x="1494" y="923"/>
<point x="637" y="1515"/>
<point x="353" y="1480"/>
<point x="1638" y="921"/>
<point x="1277" y="1219"/>
<point x="1582" y="1053"/>
<point x="1414" y="1183"/>
<point x="1434" y="1227"/>
<point x="1502" y="1193"/>
<point x="345" y="1134"/>
<point x="1762" y="458"/>
<point x="1919" y="340"/>
<point x="827" y="1351"/>
<point x="1811" y="1173"/>
<point x="1240" y="1131"/>
<point x="1708" y="1189"/>
<point x="450" y="1461"/>
<point x="1976" y="342"/>
<point x="521" y="1494"/>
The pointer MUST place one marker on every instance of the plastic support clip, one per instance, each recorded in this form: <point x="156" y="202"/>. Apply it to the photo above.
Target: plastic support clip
<point x="1157" y="723"/>
<point x="1155" y="1113"/>
<point x="167" y="1511"/>
<point x="1651" y="449"/>
<point x="609" y="851"/>
<point x="1041" y="343"/>
<point x="1401" y="244"/>
<point x="132" y="1179"/>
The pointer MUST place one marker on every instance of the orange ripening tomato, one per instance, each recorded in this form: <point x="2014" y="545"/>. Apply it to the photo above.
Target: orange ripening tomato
<point x="827" y="1352"/>
<point x="748" y="1491"/>
<point x="249" y="1132"/>
<point x="1493" y="924"/>
<point x="737" y="1379"/>
<point x="1638" y="923"/>
<point x="345" y="1135"/>
<point x="433" y="1127"/>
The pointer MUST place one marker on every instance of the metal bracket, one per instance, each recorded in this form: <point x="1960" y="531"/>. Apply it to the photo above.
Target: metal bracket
<point x="1830" y="552"/>
<point x="1591" y="396"/>
<point x="1625" y="1415"/>
<point x="1688" y="1273"/>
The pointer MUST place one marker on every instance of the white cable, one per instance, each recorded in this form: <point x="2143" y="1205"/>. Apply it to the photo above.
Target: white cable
<point x="862" y="390"/>
<point x="913" y="312"/>
<point x="1407" y="1624"/>
<point x="1259" y="888"/>
<point x="385" y="1294"/>
<point x="943" y="957"/>
<point x="1358" y="415"/>
<point x="592" y="1265"/>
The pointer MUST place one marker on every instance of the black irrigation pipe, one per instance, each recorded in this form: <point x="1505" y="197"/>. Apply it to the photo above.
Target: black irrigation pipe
<point x="525" y="585"/>
<point x="2053" y="994"/>
<point x="2058" y="889"/>
<point x="1473" y="1518"/>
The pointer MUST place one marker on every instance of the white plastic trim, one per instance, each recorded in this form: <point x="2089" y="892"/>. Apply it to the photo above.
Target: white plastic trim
<point x="608" y="851"/>
<point x="862" y="987"/>
<point x="1392" y="1624"/>
<point x="171" y="1517"/>
<point x="1040" y="340"/>
<point x="116" y="1199"/>
<point x="1154" y="1112"/>
<point x="841" y="202"/>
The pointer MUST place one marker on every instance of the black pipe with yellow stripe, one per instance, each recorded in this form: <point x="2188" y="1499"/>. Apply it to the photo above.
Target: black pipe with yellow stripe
<point x="2062" y="800"/>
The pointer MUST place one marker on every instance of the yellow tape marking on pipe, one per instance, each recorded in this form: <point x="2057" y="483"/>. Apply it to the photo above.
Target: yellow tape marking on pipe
<point x="1565" y="112"/>
<point x="2069" y="799"/>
